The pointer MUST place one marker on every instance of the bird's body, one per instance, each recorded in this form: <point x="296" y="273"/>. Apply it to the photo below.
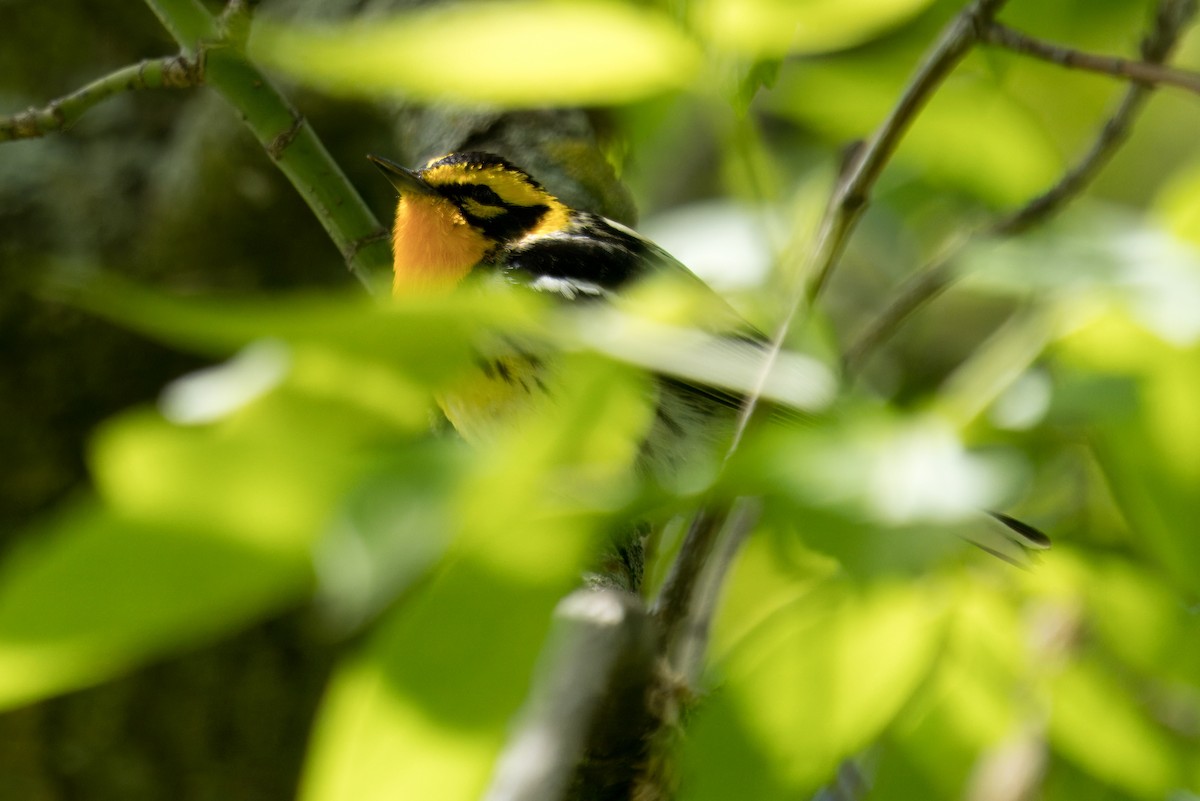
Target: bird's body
<point x="477" y="215"/>
<point x="468" y="214"/>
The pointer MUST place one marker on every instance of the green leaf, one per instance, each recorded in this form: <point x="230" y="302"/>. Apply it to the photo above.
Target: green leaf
<point x="514" y="52"/>
<point x="814" y="682"/>
<point x="271" y="475"/>
<point x="1149" y="456"/>
<point x="398" y="333"/>
<point x="388" y="531"/>
<point x="971" y="135"/>
<point x="766" y="28"/>
<point x="97" y="593"/>
<point x="1097" y="723"/>
<point x="423" y="709"/>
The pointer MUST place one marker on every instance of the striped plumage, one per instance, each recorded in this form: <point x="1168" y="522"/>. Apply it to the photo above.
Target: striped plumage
<point x="470" y="213"/>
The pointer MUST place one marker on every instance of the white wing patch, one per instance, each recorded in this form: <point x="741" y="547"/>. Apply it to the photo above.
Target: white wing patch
<point x="569" y="288"/>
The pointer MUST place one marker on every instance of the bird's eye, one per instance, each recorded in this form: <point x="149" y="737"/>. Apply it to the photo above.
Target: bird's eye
<point x="485" y="195"/>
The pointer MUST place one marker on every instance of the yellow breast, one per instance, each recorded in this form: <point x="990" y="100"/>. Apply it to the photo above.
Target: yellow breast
<point x="433" y="246"/>
<point x="504" y="390"/>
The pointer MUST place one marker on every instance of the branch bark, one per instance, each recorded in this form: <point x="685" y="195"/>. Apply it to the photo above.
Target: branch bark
<point x="173" y="72"/>
<point x="284" y="133"/>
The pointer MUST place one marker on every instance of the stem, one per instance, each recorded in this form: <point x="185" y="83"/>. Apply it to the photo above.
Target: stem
<point x="287" y="137"/>
<point x="174" y="72"/>
<point x="1144" y="72"/>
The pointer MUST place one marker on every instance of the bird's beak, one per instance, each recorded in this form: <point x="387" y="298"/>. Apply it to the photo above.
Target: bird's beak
<point x="406" y="181"/>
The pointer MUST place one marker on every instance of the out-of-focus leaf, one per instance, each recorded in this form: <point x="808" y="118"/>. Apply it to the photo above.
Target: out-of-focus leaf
<point x="423" y="710"/>
<point x="428" y="338"/>
<point x="894" y="470"/>
<point x="813" y="683"/>
<point x="1177" y="206"/>
<point x="1099" y="255"/>
<point x="1097" y="723"/>
<point x="97" y="593"/>
<point x="514" y="52"/>
<point x="271" y="475"/>
<point x="971" y="136"/>
<point x="387" y="532"/>
<point x="1149" y="457"/>
<point x="768" y="28"/>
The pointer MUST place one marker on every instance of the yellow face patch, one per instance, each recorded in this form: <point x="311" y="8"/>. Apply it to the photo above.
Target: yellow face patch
<point x="512" y="187"/>
<point x="481" y="210"/>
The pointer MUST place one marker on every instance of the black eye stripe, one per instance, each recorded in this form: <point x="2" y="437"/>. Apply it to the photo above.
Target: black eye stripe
<point x="477" y="192"/>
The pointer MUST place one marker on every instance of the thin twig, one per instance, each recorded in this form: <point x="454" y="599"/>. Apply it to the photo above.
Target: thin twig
<point x="283" y="132"/>
<point x="1170" y="20"/>
<point x="172" y="72"/>
<point x="853" y="192"/>
<point x="1144" y="72"/>
<point x="676" y="608"/>
<point x="687" y="658"/>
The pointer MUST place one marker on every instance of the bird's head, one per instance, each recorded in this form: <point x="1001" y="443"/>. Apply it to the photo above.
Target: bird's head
<point x="457" y="211"/>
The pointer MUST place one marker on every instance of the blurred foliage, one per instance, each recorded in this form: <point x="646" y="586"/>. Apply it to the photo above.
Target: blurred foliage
<point x="286" y="472"/>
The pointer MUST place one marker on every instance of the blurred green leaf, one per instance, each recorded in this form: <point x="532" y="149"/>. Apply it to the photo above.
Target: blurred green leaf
<point x="814" y="682"/>
<point x="271" y="474"/>
<point x="971" y="136"/>
<point x="96" y="593"/>
<point x="514" y="52"/>
<point x="1097" y="723"/>
<point x="387" y="532"/>
<point x="423" y="709"/>
<point x="399" y="333"/>
<point x="767" y="28"/>
<point x="1177" y="206"/>
<point x="1148" y="457"/>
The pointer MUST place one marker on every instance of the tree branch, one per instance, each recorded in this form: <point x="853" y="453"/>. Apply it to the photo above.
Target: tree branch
<point x="852" y="194"/>
<point x="283" y="132"/>
<point x="173" y="72"/>
<point x="1170" y="20"/>
<point x="1144" y="72"/>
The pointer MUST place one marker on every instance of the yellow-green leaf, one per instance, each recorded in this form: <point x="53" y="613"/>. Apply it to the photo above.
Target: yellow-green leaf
<point x="98" y="593"/>
<point x="776" y="27"/>
<point x="516" y="52"/>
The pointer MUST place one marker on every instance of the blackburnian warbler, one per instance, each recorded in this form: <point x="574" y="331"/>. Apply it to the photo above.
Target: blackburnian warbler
<point x="470" y="212"/>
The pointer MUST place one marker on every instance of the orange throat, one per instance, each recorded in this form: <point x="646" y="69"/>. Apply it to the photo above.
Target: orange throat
<point x="432" y="245"/>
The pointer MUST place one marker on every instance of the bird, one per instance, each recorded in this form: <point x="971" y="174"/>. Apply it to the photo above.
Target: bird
<point x="475" y="214"/>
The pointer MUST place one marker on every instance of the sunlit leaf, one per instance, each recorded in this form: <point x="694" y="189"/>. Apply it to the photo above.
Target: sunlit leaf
<point x="273" y="481"/>
<point x="894" y="470"/>
<point x="971" y="136"/>
<point x="814" y="682"/>
<point x="1148" y="455"/>
<point x="428" y="338"/>
<point x="515" y="52"/>
<point x="1178" y="203"/>
<point x="423" y="709"/>
<point x="97" y="593"/>
<point x="1097" y="723"/>
<point x="779" y="27"/>
<point x="387" y="532"/>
